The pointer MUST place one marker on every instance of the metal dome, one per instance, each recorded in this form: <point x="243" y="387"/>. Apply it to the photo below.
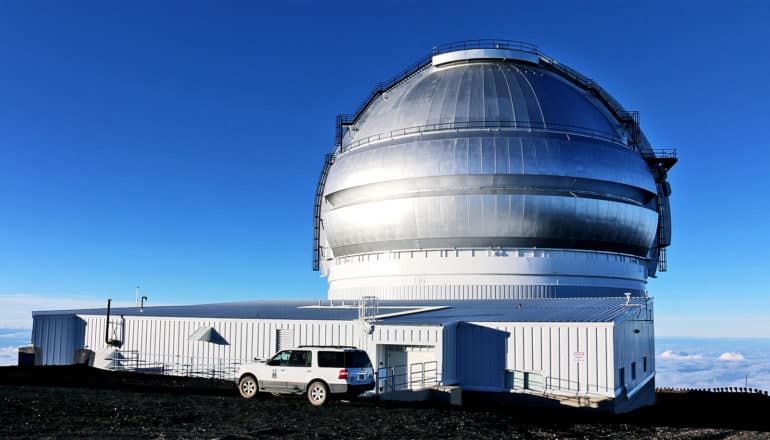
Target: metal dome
<point x="532" y="181"/>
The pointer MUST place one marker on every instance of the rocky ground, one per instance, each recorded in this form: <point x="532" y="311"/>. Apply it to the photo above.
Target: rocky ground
<point x="67" y="402"/>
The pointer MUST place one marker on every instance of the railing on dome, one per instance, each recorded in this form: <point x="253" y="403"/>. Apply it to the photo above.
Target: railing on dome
<point x="521" y="125"/>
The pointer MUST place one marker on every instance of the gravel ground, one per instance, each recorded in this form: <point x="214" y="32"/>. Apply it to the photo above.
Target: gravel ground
<point x="111" y="405"/>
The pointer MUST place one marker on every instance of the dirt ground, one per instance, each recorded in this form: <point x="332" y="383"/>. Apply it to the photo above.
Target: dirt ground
<point x="78" y="402"/>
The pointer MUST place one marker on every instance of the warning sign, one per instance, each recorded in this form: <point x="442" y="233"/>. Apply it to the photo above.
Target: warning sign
<point x="579" y="356"/>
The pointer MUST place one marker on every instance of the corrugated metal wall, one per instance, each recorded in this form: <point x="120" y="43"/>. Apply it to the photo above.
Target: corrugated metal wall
<point x="573" y="358"/>
<point x="165" y="340"/>
<point x="482" y="363"/>
<point x="58" y="337"/>
<point x="633" y="342"/>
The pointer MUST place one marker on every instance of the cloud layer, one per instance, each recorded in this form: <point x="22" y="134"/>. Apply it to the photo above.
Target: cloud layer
<point x="712" y="363"/>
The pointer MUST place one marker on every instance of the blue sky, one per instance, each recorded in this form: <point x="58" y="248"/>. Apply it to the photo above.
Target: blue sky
<point x="176" y="146"/>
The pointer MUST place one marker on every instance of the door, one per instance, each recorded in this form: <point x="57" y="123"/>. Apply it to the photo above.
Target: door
<point x="298" y="371"/>
<point x="275" y="380"/>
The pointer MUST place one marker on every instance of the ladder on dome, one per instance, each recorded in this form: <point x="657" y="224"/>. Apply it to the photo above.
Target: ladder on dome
<point x="319" y="195"/>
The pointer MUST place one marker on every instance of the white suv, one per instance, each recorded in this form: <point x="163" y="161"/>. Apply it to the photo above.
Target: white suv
<point x="317" y="371"/>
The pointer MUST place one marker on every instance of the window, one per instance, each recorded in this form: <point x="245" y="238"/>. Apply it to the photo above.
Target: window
<point x="357" y="359"/>
<point x="343" y="359"/>
<point x="633" y="370"/>
<point x="300" y="358"/>
<point x="622" y="376"/>
<point x="645" y="364"/>
<point x="280" y="360"/>
<point x="331" y="359"/>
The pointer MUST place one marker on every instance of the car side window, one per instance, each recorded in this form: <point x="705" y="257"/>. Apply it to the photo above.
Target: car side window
<point x="331" y="359"/>
<point x="281" y="359"/>
<point x="300" y="358"/>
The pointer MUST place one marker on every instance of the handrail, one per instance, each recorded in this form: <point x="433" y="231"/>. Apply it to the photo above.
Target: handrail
<point x="659" y="153"/>
<point x="389" y="381"/>
<point x="521" y="125"/>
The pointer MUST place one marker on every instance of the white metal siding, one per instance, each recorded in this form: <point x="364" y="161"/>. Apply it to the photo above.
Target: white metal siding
<point x="548" y="349"/>
<point x="165" y="340"/>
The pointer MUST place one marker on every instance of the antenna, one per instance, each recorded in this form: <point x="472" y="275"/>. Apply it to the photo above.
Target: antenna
<point x="137" y="296"/>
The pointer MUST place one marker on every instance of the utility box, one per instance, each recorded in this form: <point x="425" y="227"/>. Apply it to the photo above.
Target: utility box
<point x="84" y="356"/>
<point x="29" y="356"/>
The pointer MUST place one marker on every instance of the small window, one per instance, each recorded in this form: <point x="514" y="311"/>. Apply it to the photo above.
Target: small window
<point x="300" y="358"/>
<point x="622" y="376"/>
<point x="645" y="364"/>
<point x="633" y="370"/>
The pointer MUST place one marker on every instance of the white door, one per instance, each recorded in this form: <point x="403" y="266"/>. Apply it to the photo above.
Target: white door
<point x="298" y="370"/>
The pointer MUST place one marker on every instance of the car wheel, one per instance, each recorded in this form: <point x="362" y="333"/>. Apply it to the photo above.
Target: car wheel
<point x="317" y="393"/>
<point x="248" y="387"/>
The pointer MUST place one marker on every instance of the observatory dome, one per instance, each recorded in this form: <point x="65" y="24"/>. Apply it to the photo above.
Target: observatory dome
<point x="488" y="173"/>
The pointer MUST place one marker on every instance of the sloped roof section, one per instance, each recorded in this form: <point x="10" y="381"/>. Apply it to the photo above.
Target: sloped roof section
<point x="208" y="334"/>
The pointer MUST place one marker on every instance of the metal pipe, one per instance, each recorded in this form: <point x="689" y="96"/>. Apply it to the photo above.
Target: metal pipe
<point x="141" y="307"/>
<point x="107" y="327"/>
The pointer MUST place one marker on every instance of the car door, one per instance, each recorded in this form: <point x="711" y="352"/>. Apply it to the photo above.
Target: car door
<point x="275" y="378"/>
<point x="298" y="370"/>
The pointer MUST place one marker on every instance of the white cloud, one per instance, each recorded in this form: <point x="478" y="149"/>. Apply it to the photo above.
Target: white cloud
<point x="668" y="354"/>
<point x="727" y="356"/>
<point x="9" y="356"/>
<point x="16" y="310"/>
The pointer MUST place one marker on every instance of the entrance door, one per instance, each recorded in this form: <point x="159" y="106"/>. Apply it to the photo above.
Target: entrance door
<point x="405" y="367"/>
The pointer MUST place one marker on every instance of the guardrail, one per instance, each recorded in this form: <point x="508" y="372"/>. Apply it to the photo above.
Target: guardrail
<point x="741" y="390"/>
<point x="415" y="376"/>
<point x="466" y="125"/>
<point x="659" y="153"/>
<point x="174" y="365"/>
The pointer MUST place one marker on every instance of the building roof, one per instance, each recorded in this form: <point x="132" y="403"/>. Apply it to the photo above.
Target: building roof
<point x="392" y="312"/>
<point x="526" y="310"/>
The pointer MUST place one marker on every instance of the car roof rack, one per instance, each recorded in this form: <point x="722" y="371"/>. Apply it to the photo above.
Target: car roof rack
<point x="328" y="346"/>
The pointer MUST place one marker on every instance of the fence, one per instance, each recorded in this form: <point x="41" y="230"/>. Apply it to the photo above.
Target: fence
<point x="741" y="390"/>
<point x="174" y="365"/>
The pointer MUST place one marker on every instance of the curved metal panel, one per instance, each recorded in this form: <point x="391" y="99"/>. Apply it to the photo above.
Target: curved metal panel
<point x="484" y="54"/>
<point x="446" y="154"/>
<point x="483" y="221"/>
<point x="483" y="91"/>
